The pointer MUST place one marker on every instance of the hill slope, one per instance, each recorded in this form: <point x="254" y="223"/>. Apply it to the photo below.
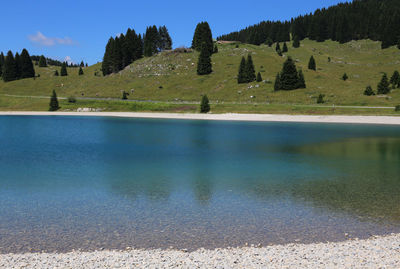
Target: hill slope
<point x="171" y="77"/>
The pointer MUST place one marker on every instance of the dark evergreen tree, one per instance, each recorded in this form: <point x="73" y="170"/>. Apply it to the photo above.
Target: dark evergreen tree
<point x="345" y="77"/>
<point x="320" y="99"/>
<point x="259" y="78"/>
<point x="204" y="66"/>
<point x="289" y="75"/>
<point x="395" y="80"/>
<point x="312" y="64"/>
<point x="106" y="64"/>
<point x="56" y="73"/>
<point x="18" y="67"/>
<point x="54" y="106"/>
<point x="63" y="71"/>
<point x="80" y="72"/>
<point x="125" y="95"/>
<point x="202" y="35"/>
<point x="301" y="81"/>
<point x="42" y="61"/>
<point x="204" y="105"/>
<point x="250" y="72"/>
<point x="296" y="42"/>
<point x="1" y="63"/>
<point x="151" y="41"/>
<point x="242" y="69"/>
<point x="27" y="69"/>
<point x="269" y="42"/>
<point x="368" y="91"/>
<point x="277" y="84"/>
<point x="383" y="86"/>
<point x="284" y="48"/>
<point x="82" y="64"/>
<point x="165" y="41"/>
<point x="9" y="68"/>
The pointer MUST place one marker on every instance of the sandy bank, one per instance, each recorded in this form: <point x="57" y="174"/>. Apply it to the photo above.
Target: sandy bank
<point x="227" y="117"/>
<point x="379" y="252"/>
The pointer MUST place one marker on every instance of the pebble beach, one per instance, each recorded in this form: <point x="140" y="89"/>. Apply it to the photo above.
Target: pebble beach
<point x="376" y="252"/>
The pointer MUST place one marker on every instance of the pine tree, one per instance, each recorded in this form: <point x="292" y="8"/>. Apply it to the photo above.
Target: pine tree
<point x="80" y="72"/>
<point x="383" y="86"/>
<point x="27" y="69"/>
<point x="395" y="80"/>
<point x="345" y="77"/>
<point x="204" y="66"/>
<point x="269" y="42"/>
<point x="250" y="72"/>
<point x="82" y="64"/>
<point x="277" y="84"/>
<point x="18" y="66"/>
<point x="42" y="61"/>
<point x="1" y="63"/>
<point x="56" y="73"/>
<point x="9" y="68"/>
<point x="296" y="42"/>
<point x="368" y="91"/>
<point x="301" y="81"/>
<point x="202" y="35"/>
<point x="125" y="95"/>
<point x="106" y="64"/>
<point x="289" y="75"/>
<point x="165" y="41"/>
<point x="312" y="64"/>
<point x="259" y="78"/>
<point x="151" y="41"/>
<point x="63" y="71"/>
<point x="204" y="105"/>
<point x="241" y="76"/>
<point x="320" y="99"/>
<point x="54" y="106"/>
<point x="285" y="48"/>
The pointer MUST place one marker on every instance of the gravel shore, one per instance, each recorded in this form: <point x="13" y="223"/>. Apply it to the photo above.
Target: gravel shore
<point x="377" y="252"/>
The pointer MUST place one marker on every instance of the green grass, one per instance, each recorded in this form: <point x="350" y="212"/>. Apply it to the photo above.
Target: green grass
<point x="169" y="77"/>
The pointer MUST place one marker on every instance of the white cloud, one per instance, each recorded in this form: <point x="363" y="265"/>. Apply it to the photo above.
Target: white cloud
<point x="42" y="40"/>
<point x="68" y="59"/>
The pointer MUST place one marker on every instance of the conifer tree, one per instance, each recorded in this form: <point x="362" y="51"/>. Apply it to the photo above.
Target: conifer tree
<point x="165" y="41"/>
<point x="241" y="76"/>
<point x="395" y="80"/>
<point x="18" y="67"/>
<point x="204" y="66"/>
<point x="82" y="64"/>
<point x="63" y="71"/>
<point x="9" y="68"/>
<point x="259" y="78"/>
<point x="54" y="106"/>
<point x="80" y="72"/>
<point x="312" y="64"/>
<point x="368" y="91"/>
<point x="56" y="73"/>
<point x="383" y="86"/>
<point x="320" y="99"/>
<point x="204" y="105"/>
<point x="289" y="75"/>
<point x="42" y="61"/>
<point x="151" y="41"/>
<point x="202" y="34"/>
<point x="345" y="77"/>
<point x="277" y="84"/>
<point x="27" y="69"/>
<point x="106" y="64"/>
<point x="285" y="48"/>
<point x="250" y="72"/>
<point x="296" y="42"/>
<point x="1" y="63"/>
<point x="269" y="42"/>
<point x="301" y="81"/>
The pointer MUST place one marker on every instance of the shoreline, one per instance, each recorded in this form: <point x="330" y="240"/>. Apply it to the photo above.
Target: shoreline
<point x="383" y="251"/>
<point x="387" y="120"/>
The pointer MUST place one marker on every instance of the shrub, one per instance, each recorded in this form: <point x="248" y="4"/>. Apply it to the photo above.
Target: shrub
<point x="397" y="108"/>
<point x="345" y="77"/>
<point x="71" y="99"/>
<point x="320" y="99"/>
<point x="125" y="95"/>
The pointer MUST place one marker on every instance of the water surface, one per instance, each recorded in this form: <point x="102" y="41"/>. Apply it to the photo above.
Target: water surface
<point x="88" y="183"/>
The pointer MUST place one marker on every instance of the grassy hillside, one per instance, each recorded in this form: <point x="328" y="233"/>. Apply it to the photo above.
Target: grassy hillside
<point x="171" y="77"/>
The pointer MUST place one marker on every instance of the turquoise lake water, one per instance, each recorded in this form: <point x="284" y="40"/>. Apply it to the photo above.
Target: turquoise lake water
<point x="89" y="183"/>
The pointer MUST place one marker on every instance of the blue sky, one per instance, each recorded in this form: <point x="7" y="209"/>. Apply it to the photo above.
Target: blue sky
<point x="79" y="29"/>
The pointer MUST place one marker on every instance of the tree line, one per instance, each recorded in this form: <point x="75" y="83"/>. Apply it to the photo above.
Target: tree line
<point x="364" y="19"/>
<point x="16" y="67"/>
<point x="123" y="50"/>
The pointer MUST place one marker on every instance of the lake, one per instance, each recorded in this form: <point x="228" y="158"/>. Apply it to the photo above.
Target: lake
<point x="102" y="182"/>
